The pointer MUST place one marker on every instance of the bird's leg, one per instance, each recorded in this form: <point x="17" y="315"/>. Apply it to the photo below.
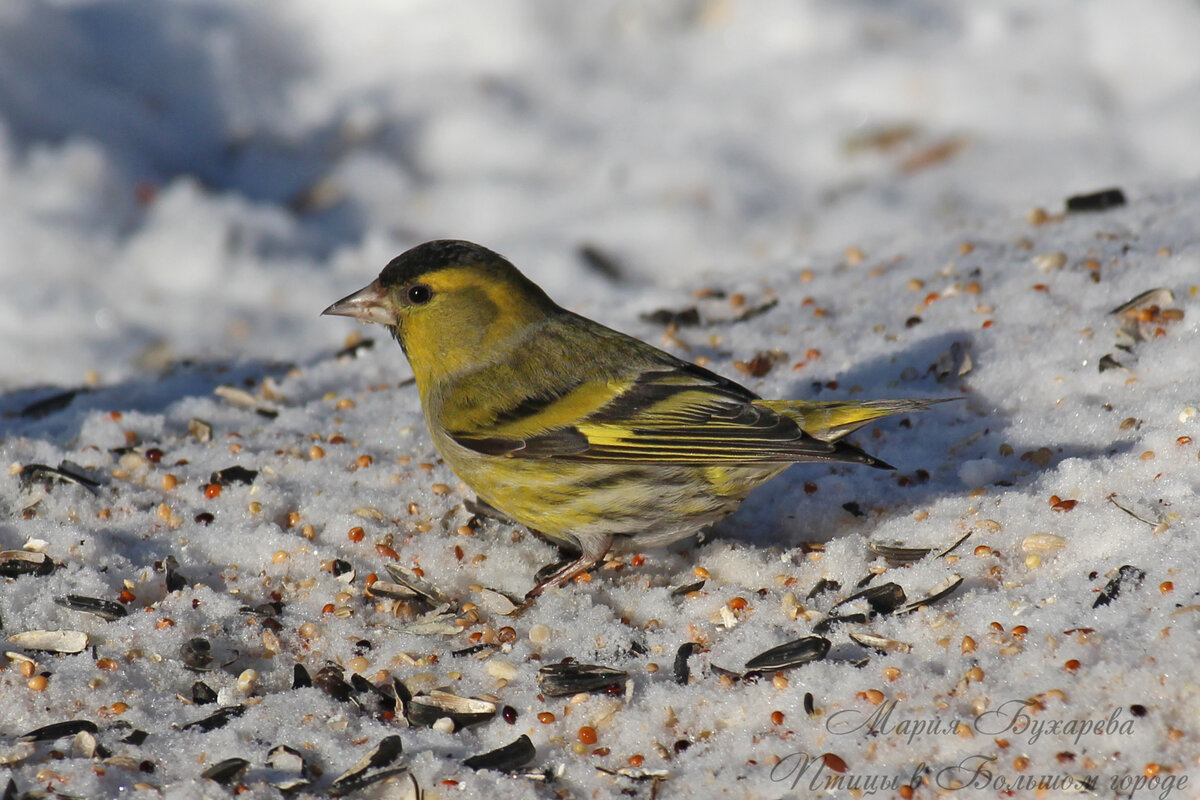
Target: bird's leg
<point x="594" y="549"/>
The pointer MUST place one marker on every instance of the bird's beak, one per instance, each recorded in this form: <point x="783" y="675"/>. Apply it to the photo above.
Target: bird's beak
<point x="368" y="304"/>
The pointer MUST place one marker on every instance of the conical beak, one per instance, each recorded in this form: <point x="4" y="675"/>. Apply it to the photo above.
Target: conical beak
<point x="368" y="304"/>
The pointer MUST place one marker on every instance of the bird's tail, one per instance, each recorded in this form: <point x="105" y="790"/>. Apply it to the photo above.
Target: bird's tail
<point x="833" y="420"/>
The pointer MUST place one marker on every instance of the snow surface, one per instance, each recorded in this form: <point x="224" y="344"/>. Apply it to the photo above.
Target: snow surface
<point x="186" y="185"/>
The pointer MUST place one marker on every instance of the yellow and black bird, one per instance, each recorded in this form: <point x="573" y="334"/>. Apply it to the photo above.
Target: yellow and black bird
<point x="586" y="435"/>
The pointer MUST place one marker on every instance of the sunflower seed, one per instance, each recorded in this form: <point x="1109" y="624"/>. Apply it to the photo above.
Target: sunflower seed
<point x="175" y="581"/>
<point x="939" y="592"/>
<point x="203" y="694"/>
<point x="300" y="677"/>
<point x="790" y="654"/>
<point x="330" y="681"/>
<point x="49" y="405"/>
<point x="416" y="583"/>
<point x="438" y="622"/>
<point x="65" y="472"/>
<point x="382" y="755"/>
<point x="399" y="777"/>
<point x="559" y="680"/>
<point x="1096" y="201"/>
<point x="136" y="737"/>
<point x="14" y="563"/>
<point x="196" y="654"/>
<point x="685" y="651"/>
<point x="395" y="591"/>
<point x="234" y="474"/>
<point x="227" y="771"/>
<point x="426" y="709"/>
<point x="883" y="599"/>
<point x="898" y="552"/>
<point x="57" y="730"/>
<point x="509" y="757"/>
<point x="687" y="588"/>
<point x="825" y="625"/>
<point x="343" y="571"/>
<point x="108" y="610"/>
<point x="822" y="586"/>
<point x="1150" y="297"/>
<point x="296" y="773"/>
<point x="219" y="719"/>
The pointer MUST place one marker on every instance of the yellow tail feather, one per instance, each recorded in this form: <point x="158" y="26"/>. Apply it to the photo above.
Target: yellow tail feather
<point x="835" y="419"/>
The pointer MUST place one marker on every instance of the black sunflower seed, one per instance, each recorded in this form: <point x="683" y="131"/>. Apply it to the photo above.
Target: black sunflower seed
<point x="557" y="680"/>
<point x="105" y="609"/>
<point x="510" y="756"/>
<point x="790" y="654"/>
<point x="57" y="730"/>
<point x="219" y="719"/>
<point x="227" y="771"/>
<point x="685" y="651"/>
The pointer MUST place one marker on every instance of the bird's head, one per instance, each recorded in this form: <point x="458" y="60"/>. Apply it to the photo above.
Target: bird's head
<point x="450" y="304"/>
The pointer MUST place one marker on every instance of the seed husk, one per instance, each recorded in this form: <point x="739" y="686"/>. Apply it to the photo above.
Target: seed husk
<point x="227" y="771"/>
<point x="203" y="694"/>
<point x="686" y="589"/>
<point x="880" y="644"/>
<point x="395" y="591"/>
<point x="681" y="671"/>
<point x="234" y="474"/>
<point x="415" y="583"/>
<point x="426" y="709"/>
<point x="219" y="719"/>
<point x="15" y="563"/>
<point x="65" y="472"/>
<point x="382" y="755"/>
<point x="196" y="654"/>
<point x="1151" y="297"/>
<point x="300" y="677"/>
<point x="297" y="774"/>
<point x="509" y="757"/>
<point x="939" y="592"/>
<point x="825" y="625"/>
<point x="883" y="599"/>
<point x="900" y="553"/>
<point x="409" y="790"/>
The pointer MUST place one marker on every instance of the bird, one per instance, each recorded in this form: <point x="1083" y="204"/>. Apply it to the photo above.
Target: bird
<point x="587" y="436"/>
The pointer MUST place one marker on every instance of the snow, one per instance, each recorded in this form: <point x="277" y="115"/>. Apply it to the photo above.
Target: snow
<point x="186" y="185"/>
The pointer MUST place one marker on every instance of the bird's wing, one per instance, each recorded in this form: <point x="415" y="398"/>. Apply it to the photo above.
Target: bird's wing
<point x="669" y="414"/>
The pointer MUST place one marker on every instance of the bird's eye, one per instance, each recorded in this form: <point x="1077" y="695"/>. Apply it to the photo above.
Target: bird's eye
<point x="419" y="294"/>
